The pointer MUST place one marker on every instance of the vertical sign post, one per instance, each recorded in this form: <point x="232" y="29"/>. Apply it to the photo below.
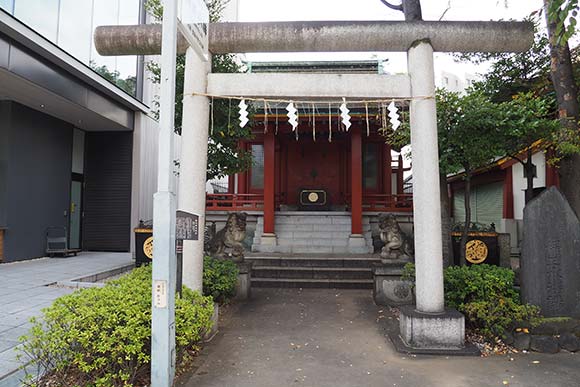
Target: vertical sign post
<point x="195" y="14"/>
<point x="164" y="205"/>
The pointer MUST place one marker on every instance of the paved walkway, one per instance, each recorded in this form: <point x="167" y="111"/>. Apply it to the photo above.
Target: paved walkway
<point x="321" y="337"/>
<point x="24" y="292"/>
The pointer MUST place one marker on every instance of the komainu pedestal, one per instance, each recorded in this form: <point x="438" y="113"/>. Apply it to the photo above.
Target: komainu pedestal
<point x="244" y="284"/>
<point x="389" y="288"/>
<point x="444" y="331"/>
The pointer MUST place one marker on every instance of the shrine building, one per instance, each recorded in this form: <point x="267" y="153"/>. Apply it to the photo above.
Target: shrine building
<point x="327" y="184"/>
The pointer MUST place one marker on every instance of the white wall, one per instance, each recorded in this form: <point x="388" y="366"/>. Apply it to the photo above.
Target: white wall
<point x="519" y="182"/>
<point x="144" y="178"/>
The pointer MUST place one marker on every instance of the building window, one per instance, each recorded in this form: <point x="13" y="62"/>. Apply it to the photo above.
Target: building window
<point x="257" y="172"/>
<point x="7" y="5"/>
<point x="42" y="16"/>
<point x="75" y="29"/>
<point x="370" y="166"/>
<point x="120" y="70"/>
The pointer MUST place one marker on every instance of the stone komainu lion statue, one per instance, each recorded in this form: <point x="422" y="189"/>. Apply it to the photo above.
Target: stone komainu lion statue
<point x="228" y="241"/>
<point x="397" y="244"/>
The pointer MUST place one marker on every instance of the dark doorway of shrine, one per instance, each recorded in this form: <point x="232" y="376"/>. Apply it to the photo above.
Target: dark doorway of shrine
<point x="315" y="165"/>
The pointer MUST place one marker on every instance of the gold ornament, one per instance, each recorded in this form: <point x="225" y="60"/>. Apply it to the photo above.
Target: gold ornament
<point x="148" y="247"/>
<point x="476" y="251"/>
<point x="313" y="197"/>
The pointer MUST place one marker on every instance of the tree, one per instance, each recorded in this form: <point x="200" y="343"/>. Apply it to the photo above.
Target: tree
<point x="224" y="156"/>
<point x="469" y="129"/>
<point x="527" y="120"/>
<point x="557" y="13"/>
<point x="410" y="8"/>
<point x="513" y="73"/>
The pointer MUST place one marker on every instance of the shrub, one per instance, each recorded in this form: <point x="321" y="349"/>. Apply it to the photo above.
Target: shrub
<point x="102" y="336"/>
<point x="219" y="279"/>
<point x="485" y="294"/>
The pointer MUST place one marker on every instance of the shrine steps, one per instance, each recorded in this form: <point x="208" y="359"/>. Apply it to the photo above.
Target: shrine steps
<point x="313" y="233"/>
<point x="312" y="271"/>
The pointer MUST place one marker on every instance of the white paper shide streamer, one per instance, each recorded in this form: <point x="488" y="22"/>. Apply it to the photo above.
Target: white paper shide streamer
<point x="243" y="113"/>
<point x="344" y="114"/>
<point x="394" y="117"/>
<point x="292" y="116"/>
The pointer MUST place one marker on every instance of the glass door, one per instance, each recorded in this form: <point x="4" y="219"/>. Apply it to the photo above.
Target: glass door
<point x="76" y="195"/>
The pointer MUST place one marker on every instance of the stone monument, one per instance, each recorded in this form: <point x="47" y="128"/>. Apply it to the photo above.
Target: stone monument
<point x="550" y="264"/>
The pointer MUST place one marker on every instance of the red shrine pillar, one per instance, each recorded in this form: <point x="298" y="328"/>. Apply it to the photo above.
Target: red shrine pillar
<point x="388" y="175"/>
<point x="242" y="176"/>
<point x="400" y="178"/>
<point x="508" y="194"/>
<point x="356" y="180"/>
<point x="269" y="181"/>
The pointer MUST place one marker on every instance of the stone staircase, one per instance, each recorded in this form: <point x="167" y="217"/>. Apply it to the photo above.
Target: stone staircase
<point x="276" y="270"/>
<point x="313" y="233"/>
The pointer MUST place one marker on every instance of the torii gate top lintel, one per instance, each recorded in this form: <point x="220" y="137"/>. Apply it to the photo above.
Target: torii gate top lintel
<point x="327" y="36"/>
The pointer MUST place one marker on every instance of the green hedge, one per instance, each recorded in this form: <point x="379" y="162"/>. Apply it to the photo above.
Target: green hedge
<point x="220" y="277"/>
<point x="102" y="336"/>
<point x="485" y="294"/>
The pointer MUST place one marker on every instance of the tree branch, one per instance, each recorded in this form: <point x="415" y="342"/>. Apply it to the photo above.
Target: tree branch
<point x="446" y="10"/>
<point x="396" y="7"/>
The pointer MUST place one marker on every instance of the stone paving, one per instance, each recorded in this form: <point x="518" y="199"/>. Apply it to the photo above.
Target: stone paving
<point x="24" y="293"/>
<point x="335" y="338"/>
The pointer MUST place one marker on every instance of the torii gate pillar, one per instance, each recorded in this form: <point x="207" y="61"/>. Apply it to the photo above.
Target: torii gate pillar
<point x="427" y="326"/>
<point x="194" y="137"/>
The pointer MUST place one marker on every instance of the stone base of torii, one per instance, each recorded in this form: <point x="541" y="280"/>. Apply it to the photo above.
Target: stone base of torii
<point x="427" y="326"/>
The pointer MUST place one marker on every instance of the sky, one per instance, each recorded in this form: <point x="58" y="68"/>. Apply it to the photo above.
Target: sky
<point x="289" y="10"/>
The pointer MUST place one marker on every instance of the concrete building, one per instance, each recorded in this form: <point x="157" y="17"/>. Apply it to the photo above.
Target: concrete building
<point x="77" y="152"/>
<point x="452" y="82"/>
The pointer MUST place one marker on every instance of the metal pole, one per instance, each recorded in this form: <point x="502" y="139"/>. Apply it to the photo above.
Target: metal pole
<point x="164" y="205"/>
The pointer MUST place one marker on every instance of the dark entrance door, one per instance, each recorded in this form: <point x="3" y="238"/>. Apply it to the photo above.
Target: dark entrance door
<point x="313" y="166"/>
<point x="75" y="211"/>
<point x="107" y="193"/>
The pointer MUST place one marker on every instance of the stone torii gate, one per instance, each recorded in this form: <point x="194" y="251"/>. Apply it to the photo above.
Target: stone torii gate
<point x="428" y="325"/>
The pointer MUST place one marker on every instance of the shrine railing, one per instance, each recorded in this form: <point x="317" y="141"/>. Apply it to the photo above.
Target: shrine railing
<point x="255" y="202"/>
<point x="234" y="202"/>
<point x="388" y="203"/>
